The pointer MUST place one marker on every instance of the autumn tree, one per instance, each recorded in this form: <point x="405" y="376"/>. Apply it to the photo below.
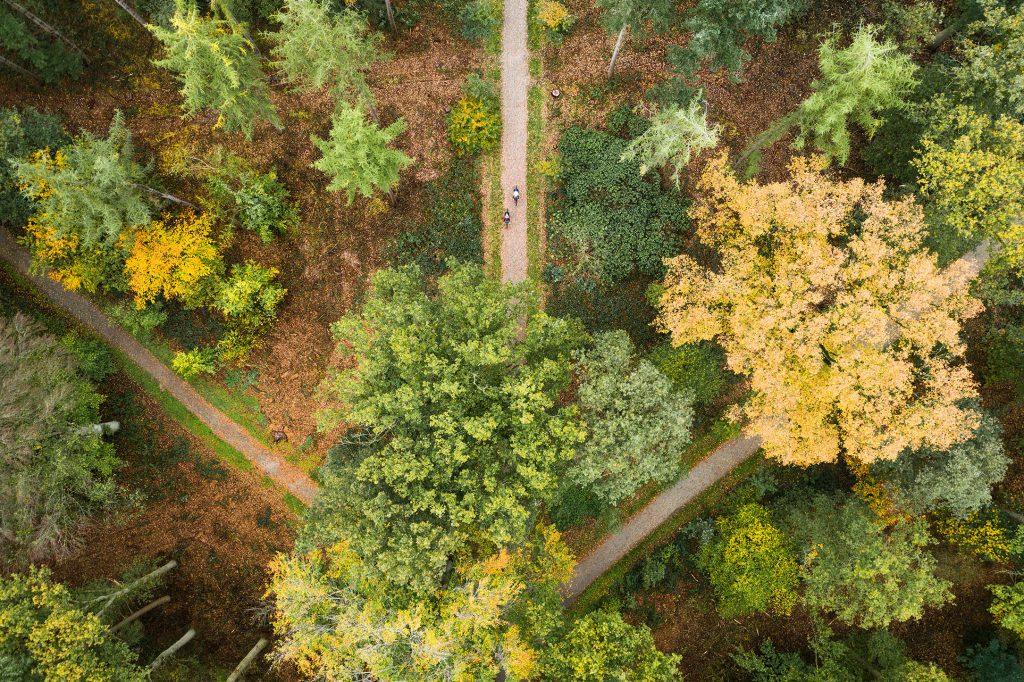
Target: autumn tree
<point x="618" y="16"/>
<point x="856" y="83"/>
<point x="676" y="134"/>
<point x="22" y="132"/>
<point x="601" y="646"/>
<point x="46" y="635"/>
<point x="992" y="59"/>
<point x="853" y="566"/>
<point x="217" y="67"/>
<point x="55" y="470"/>
<point x="247" y="299"/>
<point x="1008" y="606"/>
<point x="462" y="430"/>
<point x="338" y="620"/>
<point x="316" y="47"/>
<point x="357" y="156"/>
<point x="751" y="564"/>
<point x="971" y="173"/>
<point x="172" y="258"/>
<point x="638" y="425"/>
<point x="827" y="300"/>
<point x="958" y="480"/>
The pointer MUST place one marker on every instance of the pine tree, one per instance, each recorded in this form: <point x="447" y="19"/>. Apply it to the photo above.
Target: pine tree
<point x="357" y="156"/>
<point x="218" y="68"/>
<point x="676" y="134"/>
<point x="316" y="47"/>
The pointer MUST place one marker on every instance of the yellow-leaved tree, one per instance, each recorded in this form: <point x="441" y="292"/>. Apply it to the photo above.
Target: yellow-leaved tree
<point x="171" y="258"/>
<point x="826" y="298"/>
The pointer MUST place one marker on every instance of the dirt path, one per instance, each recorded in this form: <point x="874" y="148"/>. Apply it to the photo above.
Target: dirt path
<point x="272" y="464"/>
<point x="716" y="465"/>
<point x="515" y="86"/>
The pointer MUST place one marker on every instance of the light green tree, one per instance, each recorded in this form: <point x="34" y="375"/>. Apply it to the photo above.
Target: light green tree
<point x="217" y="67"/>
<point x="676" y="135"/>
<point x="55" y="469"/>
<point x="1008" y="606"/>
<point x="46" y="636"/>
<point x="866" y="574"/>
<point x="357" y="156"/>
<point x="601" y="646"/>
<point x="750" y="564"/>
<point x="316" y="47"/>
<point x="856" y="83"/>
<point x="638" y="424"/>
<point x="463" y="435"/>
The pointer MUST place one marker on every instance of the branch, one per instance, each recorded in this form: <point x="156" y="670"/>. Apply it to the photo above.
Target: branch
<point x="141" y="612"/>
<point x="164" y="195"/>
<point x="24" y="72"/>
<point x="135" y="15"/>
<point x="172" y="649"/>
<point x="152" y="575"/>
<point x="247" y="661"/>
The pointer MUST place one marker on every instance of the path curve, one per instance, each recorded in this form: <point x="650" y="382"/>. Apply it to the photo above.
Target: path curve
<point x="711" y="469"/>
<point x="77" y="306"/>
<point x="515" y="87"/>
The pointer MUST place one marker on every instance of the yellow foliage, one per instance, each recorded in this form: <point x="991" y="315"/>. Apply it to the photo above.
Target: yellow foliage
<point x="851" y="339"/>
<point x="171" y="259"/>
<point x="473" y="126"/>
<point x="981" y="535"/>
<point x="376" y="207"/>
<point x="553" y="16"/>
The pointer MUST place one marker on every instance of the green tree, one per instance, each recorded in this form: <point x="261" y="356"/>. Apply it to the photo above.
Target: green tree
<point x="601" y="646"/>
<point x="856" y="568"/>
<point x="676" y="134"/>
<point x="316" y="47"/>
<point x="618" y="16"/>
<point x="248" y="300"/>
<point x="357" y="156"/>
<point x="856" y="83"/>
<point x="992" y="67"/>
<point x="750" y="564"/>
<point x="638" y="424"/>
<point x="21" y="133"/>
<point x="45" y="635"/>
<point x="43" y="51"/>
<point x="958" y="480"/>
<point x="1008" y="606"/>
<point x="217" y="67"/>
<point x="463" y="433"/>
<point x="971" y="173"/>
<point x="55" y="470"/>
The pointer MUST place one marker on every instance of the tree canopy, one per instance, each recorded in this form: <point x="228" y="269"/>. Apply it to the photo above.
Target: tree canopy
<point x="676" y="135"/>
<point x="827" y="299"/>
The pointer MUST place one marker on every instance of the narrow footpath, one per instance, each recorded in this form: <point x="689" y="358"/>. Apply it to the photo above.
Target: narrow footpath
<point x="289" y="477"/>
<point x="515" y="87"/>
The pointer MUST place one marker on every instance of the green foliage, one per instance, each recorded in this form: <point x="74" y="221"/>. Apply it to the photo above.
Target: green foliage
<point x="138" y="321"/>
<point x="611" y="222"/>
<point x="54" y="470"/>
<point x="638" y="424"/>
<point x="913" y="25"/>
<point x="87" y="191"/>
<point x="1008" y="607"/>
<point x="357" y="156"/>
<point x="217" y="67"/>
<point x="248" y="299"/>
<point x="480" y="19"/>
<point x="1005" y="357"/>
<point x="675" y="135"/>
<point x="601" y="646"/>
<point x="93" y="358"/>
<point x="856" y="568"/>
<point x="958" y="480"/>
<point x="474" y="126"/>
<point x="698" y="368"/>
<point x="257" y="201"/>
<point x="718" y="29"/>
<point x="21" y="133"/>
<point x="45" y="636"/>
<point x="637" y="15"/>
<point x="750" y="564"/>
<point x="856" y="83"/>
<point x="463" y="431"/>
<point x="453" y="225"/>
<point x="195" y="362"/>
<point x="315" y="47"/>
<point x="992" y="67"/>
<point x="38" y="52"/>
<point x="992" y="662"/>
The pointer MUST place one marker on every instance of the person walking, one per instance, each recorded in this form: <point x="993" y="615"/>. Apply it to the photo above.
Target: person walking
<point x="515" y="194"/>
<point x="506" y="218"/>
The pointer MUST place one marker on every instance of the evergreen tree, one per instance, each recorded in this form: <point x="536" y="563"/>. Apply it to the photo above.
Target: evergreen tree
<point x="675" y="135"/>
<point x="30" y="46"/>
<point x="218" y="68"/>
<point x="856" y="83"/>
<point x="316" y="47"/>
<point x="357" y="156"/>
<point x="618" y="16"/>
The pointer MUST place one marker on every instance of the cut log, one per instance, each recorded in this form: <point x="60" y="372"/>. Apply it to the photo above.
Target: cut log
<point x="172" y="649"/>
<point x="236" y="674"/>
<point x="141" y="612"/>
<point x="615" y="52"/>
<point x="134" y="15"/>
<point x="152" y="575"/>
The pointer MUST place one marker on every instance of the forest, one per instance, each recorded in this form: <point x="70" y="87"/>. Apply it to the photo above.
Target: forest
<point x="535" y="340"/>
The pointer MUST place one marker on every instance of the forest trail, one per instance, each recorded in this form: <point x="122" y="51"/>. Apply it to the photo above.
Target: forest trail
<point x="272" y="464"/>
<point x="515" y="85"/>
<point x="709" y="471"/>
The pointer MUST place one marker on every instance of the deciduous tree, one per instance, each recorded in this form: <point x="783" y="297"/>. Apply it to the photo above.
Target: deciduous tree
<point x="172" y="258"/>
<point x="639" y="426"/>
<point x="992" y="67"/>
<point x="1008" y="606"/>
<point x="463" y="434"/>
<point x="826" y="298"/>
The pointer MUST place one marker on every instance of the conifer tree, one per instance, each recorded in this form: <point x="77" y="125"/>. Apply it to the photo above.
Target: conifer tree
<point x="218" y="68"/>
<point x="316" y="47"/>
<point x="618" y="16"/>
<point x="357" y="156"/>
<point x="676" y="134"/>
<point x="31" y="46"/>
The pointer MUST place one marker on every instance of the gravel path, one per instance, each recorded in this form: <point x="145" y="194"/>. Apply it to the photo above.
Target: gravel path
<point x="515" y="85"/>
<point x="719" y="463"/>
<point x="272" y="464"/>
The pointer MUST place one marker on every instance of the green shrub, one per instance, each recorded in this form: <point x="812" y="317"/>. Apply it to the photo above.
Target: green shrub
<point x="21" y="133"/>
<point x="695" y="367"/>
<point x="993" y="662"/>
<point x="481" y="19"/>
<point x="93" y="357"/>
<point x="197" y="361"/>
<point x="473" y="126"/>
<point x="1005" y="361"/>
<point x="244" y="196"/>
<point x="138" y="321"/>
